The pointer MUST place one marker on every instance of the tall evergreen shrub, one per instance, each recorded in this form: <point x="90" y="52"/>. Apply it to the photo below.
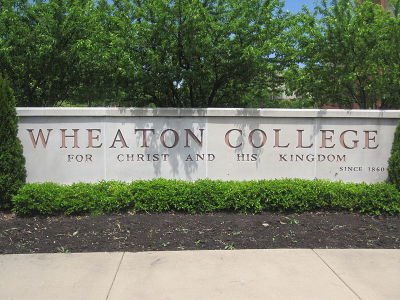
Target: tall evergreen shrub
<point x="394" y="160"/>
<point x="12" y="161"/>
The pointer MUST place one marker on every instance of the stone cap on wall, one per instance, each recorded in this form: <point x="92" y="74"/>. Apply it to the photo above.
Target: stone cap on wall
<point x="203" y="112"/>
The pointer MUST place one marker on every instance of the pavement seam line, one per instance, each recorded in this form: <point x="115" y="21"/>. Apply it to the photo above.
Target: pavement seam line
<point x="115" y="275"/>
<point x="337" y="275"/>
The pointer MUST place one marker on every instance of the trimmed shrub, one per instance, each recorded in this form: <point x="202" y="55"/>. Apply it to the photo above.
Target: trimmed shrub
<point x="394" y="160"/>
<point x="160" y="195"/>
<point x="12" y="161"/>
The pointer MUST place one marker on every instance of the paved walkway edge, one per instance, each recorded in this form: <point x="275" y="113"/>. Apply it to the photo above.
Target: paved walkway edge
<point x="207" y="274"/>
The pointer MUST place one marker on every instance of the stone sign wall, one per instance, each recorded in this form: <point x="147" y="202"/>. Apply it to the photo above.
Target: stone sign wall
<point x="69" y="145"/>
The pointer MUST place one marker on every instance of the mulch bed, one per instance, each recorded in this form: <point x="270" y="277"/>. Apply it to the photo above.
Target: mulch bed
<point x="175" y="231"/>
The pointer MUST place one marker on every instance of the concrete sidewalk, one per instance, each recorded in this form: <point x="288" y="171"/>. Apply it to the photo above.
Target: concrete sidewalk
<point x="235" y="274"/>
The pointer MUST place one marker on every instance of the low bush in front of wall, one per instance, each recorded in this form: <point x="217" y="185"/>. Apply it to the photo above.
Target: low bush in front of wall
<point x="160" y="195"/>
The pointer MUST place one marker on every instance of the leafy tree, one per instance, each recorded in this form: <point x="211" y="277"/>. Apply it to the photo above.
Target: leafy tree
<point x="347" y="52"/>
<point x="133" y="52"/>
<point x="187" y="53"/>
<point x="38" y="48"/>
<point x="12" y="162"/>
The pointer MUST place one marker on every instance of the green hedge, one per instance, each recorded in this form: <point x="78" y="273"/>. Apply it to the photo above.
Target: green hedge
<point x="12" y="161"/>
<point x="295" y="195"/>
<point x="394" y="160"/>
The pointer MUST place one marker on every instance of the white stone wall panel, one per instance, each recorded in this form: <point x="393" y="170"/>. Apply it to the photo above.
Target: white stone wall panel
<point x="93" y="144"/>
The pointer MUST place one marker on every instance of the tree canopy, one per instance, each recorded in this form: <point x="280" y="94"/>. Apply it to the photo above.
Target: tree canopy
<point x="170" y="53"/>
<point x="347" y="52"/>
<point x="200" y="53"/>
